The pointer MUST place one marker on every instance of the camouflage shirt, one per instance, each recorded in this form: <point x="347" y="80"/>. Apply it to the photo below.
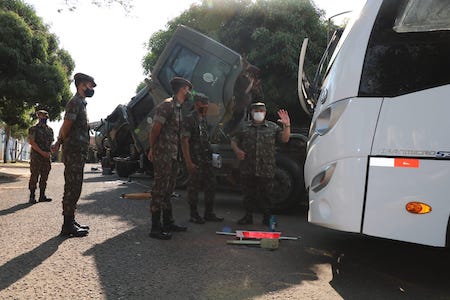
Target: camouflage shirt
<point x="78" y="138"/>
<point x="196" y="129"/>
<point x="258" y="143"/>
<point x="42" y="134"/>
<point x="170" y="116"/>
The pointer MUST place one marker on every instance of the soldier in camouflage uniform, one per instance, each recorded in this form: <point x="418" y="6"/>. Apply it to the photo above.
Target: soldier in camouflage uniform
<point x="41" y="138"/>
<point x="198" y="158"/>
<point x="254" y="146"/>
<point x="74" y="135"/>
<point x="165" y="155"/>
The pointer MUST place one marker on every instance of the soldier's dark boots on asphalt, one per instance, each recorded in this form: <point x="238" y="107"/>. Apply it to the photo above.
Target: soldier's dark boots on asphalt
<point x="195" y="218"/>
<point x="160" y="234"/>
<point x="157" y="232"/>
<point x="69" y="229"/>
<point x="82" y="226"/>
<point x="172" y="227"/>
<point x="42" y="197"/>
<point x="32" y="199"/>
<point x="169" y="223"/>
<point x="246" y="220"/>
<point x="211" y="217"/>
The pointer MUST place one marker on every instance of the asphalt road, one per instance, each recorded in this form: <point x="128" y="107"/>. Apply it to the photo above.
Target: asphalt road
<point x="119" y="261"/>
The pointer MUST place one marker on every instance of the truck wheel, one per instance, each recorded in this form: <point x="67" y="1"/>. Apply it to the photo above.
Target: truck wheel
<point x="126" y="168"/>
<point x="288" y="188"/>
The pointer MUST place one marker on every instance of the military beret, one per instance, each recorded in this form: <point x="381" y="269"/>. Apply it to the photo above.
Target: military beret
<point x="42" y="112"/>
<point x="258" y="105"/>
<point x="180" y="81"/>
<point x="201" y="98"/>
<point x="80" y="77"/>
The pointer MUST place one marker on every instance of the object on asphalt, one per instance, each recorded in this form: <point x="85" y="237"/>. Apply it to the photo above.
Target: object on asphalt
<point x="94" y="169"/>
<point x="271" y="244"/>
<point x="245" y="234"/>
<point x="146" y="195"/>
<point x="272" y="223"/>
<point x="106" y="171"/>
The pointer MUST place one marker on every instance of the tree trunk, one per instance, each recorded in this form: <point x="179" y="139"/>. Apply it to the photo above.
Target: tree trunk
<point x="7" y="135"/>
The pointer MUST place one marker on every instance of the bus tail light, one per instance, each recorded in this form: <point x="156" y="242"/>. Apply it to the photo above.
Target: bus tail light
<point x="321" y="180"/>
<point x="417" y="208"/>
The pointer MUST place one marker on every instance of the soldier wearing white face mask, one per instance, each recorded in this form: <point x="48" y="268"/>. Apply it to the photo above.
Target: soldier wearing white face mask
<point x="254" y="146"/>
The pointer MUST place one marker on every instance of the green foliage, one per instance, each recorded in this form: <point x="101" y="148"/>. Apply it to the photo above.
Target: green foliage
<point x="268" y="33"/>
<point x="34" y="72"/>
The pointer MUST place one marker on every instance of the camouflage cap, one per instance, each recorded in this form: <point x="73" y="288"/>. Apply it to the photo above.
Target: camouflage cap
<point x="199" y="97"/>
<point x="42" y="112"/>
<point x="258" y="105"/>
<point x="180" y="81"/>
<point x="80" y="77"/>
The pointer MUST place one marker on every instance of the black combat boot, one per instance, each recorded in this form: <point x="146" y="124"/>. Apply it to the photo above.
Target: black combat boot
<point x="157" y="232"/>
<point x="195" y="217"/>
<point x="82" y="226"/>
<point x="246" y="220"/>
<point x="32" y="197"/>
<point x="169" y="223"/>
<point x="210" y="216"/>
<point x="69" y="228"/>
<point x="42" y="197"/>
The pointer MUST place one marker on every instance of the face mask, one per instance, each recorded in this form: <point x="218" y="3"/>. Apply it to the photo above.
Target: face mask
<point x="258" y="116"/>
<point x="43" y="121"/>
<point x="89" y="92"/>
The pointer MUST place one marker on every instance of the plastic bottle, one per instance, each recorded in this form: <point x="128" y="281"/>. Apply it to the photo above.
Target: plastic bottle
<point x="273" y="223"/>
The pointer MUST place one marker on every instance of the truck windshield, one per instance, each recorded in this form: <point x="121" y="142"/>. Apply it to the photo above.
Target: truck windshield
<point x="419" y="16"/>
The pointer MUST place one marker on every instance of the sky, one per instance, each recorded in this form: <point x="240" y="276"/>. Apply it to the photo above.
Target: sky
<point x="109" y="44"/>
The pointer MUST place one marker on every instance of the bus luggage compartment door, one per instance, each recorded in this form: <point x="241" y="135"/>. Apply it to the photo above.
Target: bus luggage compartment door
<point x="395" y="182"/>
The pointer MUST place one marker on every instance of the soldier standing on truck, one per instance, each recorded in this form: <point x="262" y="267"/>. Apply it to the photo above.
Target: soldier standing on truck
<point x="254" y="146"/>
<point x="198" y="158"/>
<point x="40" y="137"/>
<point x="165" y="155"/>
<point x="74" y="135"/>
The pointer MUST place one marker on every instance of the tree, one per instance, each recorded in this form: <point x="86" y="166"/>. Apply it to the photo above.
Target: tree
<point x="268" y="33"/>
<point x="127" y="5"/>
<point x="34" y="72"/>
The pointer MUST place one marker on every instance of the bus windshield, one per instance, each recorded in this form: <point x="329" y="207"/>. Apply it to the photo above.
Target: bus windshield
<point x="419" y="16"/>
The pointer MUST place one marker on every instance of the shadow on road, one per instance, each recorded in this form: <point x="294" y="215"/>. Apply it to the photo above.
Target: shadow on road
<point x="372" y="268"/>
<point x="20" y="266"/>
<point x="14" y="208"/>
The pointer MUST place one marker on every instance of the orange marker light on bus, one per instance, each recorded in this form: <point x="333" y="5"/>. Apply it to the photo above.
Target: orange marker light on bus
<point x="418" y="208"/>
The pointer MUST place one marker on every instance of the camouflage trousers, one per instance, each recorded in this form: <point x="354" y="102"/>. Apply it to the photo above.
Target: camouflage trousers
<point x="39" y="168"/>
<point x="204" y="180"/>
<point x="164" y="179"/>
<point x="73" y="181"/>
<point x="256" y="191"/>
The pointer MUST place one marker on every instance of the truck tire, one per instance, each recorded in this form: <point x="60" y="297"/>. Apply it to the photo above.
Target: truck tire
<point x="126" y="168"/>
<point x="288" y="187"/>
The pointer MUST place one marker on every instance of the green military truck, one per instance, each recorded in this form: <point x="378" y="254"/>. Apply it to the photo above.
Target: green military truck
<point x="231" y="84"/>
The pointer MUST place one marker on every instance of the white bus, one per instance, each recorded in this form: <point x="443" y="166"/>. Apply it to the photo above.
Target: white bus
<point x="378" y="156"/>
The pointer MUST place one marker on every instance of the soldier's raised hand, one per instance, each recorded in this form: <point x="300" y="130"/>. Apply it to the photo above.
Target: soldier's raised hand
<point x="284" y="117"/>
